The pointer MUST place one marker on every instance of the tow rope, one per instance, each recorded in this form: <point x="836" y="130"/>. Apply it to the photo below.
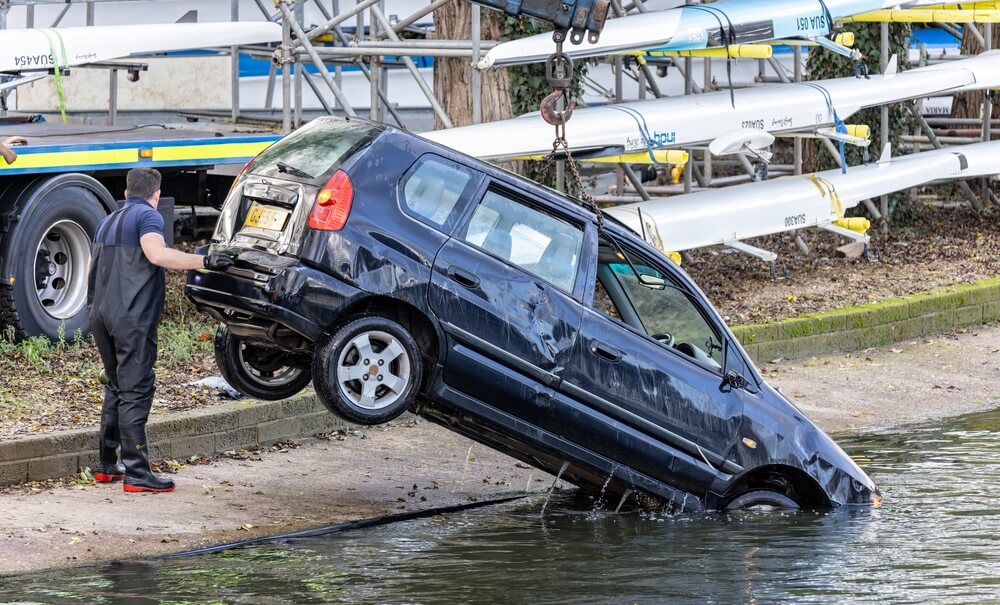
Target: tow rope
<point x="57" y="66"/>
<point x="727" y="36"/>
<point x="838" y="124"/>
<point x="640" y="123"/>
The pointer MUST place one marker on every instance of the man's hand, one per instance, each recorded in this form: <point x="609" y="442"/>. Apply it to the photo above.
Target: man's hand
<point x="219" y="261"/>
<point x="8" y="154"/>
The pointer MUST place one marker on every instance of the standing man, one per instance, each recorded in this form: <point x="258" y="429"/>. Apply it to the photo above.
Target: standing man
<point x="125" y="298"/>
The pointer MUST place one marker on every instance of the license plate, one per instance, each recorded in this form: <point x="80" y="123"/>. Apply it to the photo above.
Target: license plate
<point x="272" y="219"/>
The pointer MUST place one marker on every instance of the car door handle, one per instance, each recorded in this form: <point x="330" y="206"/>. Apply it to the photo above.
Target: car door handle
<point x="605" y="352"/>
<point x="463" y="277"/>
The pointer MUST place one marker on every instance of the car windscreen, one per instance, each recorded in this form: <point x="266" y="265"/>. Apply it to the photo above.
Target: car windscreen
<point x="313" y="150"/>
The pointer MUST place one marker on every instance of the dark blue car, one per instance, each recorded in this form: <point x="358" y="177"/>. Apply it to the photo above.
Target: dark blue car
<point x="398" y="274"/>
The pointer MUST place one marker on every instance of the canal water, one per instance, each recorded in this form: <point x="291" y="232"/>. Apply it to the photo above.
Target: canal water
<point x="936" y="539"/>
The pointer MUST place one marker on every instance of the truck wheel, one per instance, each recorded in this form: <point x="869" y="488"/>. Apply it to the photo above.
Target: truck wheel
<point x="369" y="371"/>
<point x="46" y="262"/>
<point x="764" y="499"/>
<point x="260" y="372"/>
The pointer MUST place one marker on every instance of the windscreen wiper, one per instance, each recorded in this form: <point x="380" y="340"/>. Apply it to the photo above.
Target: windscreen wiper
<point x="283" y="167"/>
<point x="624" y="256"/>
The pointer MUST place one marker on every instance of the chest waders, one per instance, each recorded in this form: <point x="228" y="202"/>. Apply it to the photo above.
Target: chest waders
<point x="127" y="293"/>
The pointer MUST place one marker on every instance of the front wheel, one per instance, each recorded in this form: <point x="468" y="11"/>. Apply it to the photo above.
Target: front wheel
<point x="260" y="372"/>
<point x="761" y="499"/>
<point x="369" y="371"/>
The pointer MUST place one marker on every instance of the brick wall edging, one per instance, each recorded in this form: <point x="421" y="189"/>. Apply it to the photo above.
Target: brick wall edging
<point x="201" y="432"/>
<point x="875" y="324"/>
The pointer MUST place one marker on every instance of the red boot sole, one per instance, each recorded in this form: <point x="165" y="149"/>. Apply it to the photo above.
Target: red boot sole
<point x="105" y="478"/>
<point x="137" y="489"/>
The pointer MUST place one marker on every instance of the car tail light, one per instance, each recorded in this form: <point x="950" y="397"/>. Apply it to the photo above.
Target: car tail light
<point x="333" y="204"/>
<point x="240" y="174"/>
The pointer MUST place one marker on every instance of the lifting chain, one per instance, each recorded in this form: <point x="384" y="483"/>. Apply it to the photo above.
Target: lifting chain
<point x="559" y="75"/>
<point x="588" y="200"/>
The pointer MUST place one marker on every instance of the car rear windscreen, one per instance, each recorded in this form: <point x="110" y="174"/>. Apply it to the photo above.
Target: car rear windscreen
<point x="313" y="150"/>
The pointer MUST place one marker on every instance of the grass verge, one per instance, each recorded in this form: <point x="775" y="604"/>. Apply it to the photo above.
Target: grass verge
<point x="47" y="385"/>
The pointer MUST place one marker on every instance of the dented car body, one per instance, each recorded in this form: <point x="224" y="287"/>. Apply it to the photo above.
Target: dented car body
<point x="399" y="274"/>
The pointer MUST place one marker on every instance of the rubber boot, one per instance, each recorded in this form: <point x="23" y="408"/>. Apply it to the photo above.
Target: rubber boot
<point x="109" y="470"/>
<point x="139" y="475"/>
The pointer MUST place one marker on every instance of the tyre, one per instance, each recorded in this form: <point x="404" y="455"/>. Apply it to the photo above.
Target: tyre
<point x="260" y="372"/>
<point x="368" y="371"/>
<point x="761" y="499"/>
<point x="47" y="256"/>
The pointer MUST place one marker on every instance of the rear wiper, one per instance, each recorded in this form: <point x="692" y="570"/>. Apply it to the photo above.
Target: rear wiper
<point x="283" y="167"/>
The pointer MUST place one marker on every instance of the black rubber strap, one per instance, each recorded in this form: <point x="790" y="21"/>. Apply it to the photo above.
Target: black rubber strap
<point x="120" y="225"/>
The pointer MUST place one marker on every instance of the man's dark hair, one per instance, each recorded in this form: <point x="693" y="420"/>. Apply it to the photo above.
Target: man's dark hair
<point x="143" y="182"/>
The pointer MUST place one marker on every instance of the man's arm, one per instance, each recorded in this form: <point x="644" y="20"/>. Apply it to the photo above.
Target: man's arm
<point x="8" y="154"/>
<point x="157" y="252"/>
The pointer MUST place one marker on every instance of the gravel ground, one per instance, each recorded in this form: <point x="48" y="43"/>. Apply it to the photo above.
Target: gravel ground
<point x="46" y="386"/>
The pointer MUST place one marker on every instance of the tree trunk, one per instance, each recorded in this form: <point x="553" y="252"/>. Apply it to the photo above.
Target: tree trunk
<point x="970" y="104"/>
<point x="453" y="77"/>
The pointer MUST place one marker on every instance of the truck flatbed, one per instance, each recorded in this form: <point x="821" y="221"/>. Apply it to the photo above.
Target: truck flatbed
<point x="61" y="148"/>
<point x="66" y="179"/>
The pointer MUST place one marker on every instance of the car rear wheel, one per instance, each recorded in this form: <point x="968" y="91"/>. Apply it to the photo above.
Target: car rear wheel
<point x="369" y="370"/>
<point x="260" y="372"/>
<point x="761" y="499"/>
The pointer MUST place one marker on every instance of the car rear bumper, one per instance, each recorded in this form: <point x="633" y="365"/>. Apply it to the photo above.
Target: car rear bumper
<point x="272" y="300"/>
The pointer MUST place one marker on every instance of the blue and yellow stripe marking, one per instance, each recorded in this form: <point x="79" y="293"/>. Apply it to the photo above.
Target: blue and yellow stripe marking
<point x="37" y="159"/>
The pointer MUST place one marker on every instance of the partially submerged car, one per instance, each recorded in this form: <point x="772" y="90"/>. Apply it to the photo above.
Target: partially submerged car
<point x="398" y="274"/>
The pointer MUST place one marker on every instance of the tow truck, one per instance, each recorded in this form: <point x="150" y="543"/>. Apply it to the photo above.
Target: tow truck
<point x="64" y="182"/>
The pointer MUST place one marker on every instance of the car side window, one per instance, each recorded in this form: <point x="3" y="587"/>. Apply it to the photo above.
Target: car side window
<point x="539" y="243"/>
<point x="431" y="189"/>
<point x="664" y="311"/>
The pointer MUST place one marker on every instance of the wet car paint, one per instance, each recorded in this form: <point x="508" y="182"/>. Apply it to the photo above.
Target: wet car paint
<point x="514" y="361"/>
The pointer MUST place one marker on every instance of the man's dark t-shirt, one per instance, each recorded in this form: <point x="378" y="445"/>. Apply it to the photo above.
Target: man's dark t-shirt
<point x="124" y="286"/>
<point x="139" y="218"/>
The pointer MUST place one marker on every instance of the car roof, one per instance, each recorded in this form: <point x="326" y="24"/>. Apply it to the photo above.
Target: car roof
<point x="561" y="201"/>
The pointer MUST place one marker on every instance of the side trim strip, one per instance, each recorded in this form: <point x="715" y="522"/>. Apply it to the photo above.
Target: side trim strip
<point x="547" y="378"/>
<point x="639" y="423"/>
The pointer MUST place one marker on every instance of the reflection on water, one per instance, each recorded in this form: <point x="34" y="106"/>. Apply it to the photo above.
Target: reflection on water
<point x="936" y="539"/>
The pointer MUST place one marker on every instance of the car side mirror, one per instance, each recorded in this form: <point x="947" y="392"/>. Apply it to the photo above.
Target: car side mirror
<point x="735" y="380"/>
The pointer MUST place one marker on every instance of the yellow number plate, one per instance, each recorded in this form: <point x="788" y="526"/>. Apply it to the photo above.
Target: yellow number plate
<point x="272" y="219"/>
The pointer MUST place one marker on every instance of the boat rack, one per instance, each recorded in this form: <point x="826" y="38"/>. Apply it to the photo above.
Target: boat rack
<point x="374" y="41"/>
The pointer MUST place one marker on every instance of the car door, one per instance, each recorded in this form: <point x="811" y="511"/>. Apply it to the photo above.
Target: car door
<point x="503" y="289"/>
<point x="648" y="362"/>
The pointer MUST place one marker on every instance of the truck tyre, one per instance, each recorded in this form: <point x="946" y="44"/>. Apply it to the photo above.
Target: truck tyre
<point x="260" y="372"/>
<point x="46" y="253"/>
<point x="368" y="371"/>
